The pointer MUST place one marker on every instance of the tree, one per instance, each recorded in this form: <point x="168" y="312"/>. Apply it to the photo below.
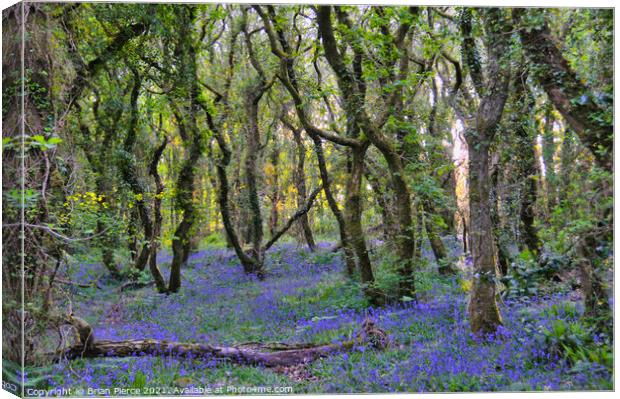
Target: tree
<point x="185" y="108"/>
<point x="490" y="83"/>
<point x="353" y="90"/>
<point x="357" y="150"/>
<point x="577" y="104"/>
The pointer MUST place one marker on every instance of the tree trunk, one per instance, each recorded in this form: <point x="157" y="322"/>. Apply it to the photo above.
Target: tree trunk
<point x="439" y="249"/>
<point x="107" y="252"/>
<point x="253" y="353"/>
<point x="273" y="180"/>
<point x="184" y="197"/>
<point x="444" y="157"/>
<point x="568" y="153"/>
<point x="300" y="184"/>
<point x="246" y="261"/>
<point x="160" y="283"/>
<point x="380" y="197"/>
<point x="465" y="234"/>
<point x="484" y="313"/>
<point x="128" y="169"/>
<point x="353" y="211"/>
<point x="594" y="293"/>
<point x="353" y="217"/>
<point x="503" y="256"/>
<point x="132" y="233"/>
<point x="527" y="214"/>
<point x="239" y="355"/>
<point x="419" y="227"/>
<point x="105" y="240"/>
<point x="353" y="88"/>
<point x="193" y="142"/>
<point x="251" y="158"/>
<point x="525" y="174"/>
<point x="349" y="255"/>
<point x="405" y="238"/>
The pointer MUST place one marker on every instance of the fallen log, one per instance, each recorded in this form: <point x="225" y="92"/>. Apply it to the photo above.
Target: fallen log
<point x="240" y="355"/>
<point x="252" y="353"/>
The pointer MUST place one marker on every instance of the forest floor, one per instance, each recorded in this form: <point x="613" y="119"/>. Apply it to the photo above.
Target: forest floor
<point x="306" y="298"/>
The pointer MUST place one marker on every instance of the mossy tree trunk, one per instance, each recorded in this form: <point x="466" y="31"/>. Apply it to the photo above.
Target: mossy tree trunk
<point x="491" y="85"/>
<point x="185" y="114"/>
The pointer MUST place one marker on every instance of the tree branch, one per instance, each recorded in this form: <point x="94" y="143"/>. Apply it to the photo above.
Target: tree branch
<point x="300" y="212"/>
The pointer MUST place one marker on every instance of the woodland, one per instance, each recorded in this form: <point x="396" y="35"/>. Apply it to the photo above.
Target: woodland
<point x="333" y="199"/>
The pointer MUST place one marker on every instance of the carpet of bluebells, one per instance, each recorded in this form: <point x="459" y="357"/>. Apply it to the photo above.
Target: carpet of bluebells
<point x="306" y="298"/>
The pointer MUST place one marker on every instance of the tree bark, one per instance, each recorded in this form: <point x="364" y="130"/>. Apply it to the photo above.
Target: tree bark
<point x="300" y="183"/>
<point x="256" y="354"/>
<point x="437" y="246"/>
<point x="273" y="180"/>
<point x="98" y="161"/>
<point x="353" y="217"/>
<point x="246" y="261"/>
<point x="443" y="157"/>
<point x="594" y="293"/>
<point x="483" y="310"/>
<point x="382" y="202"/>
<point x="160" y="283"/>
<point x="503" y="256"/>
<point x="106" y="241"/>
<point x="239" y="355"/>
<point x="349" y="255"/>
<point x="465" y="234"/>
<point x="251" y="158"/>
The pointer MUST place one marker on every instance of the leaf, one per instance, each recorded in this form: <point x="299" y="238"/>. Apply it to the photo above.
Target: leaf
<point x="38" y="138"/>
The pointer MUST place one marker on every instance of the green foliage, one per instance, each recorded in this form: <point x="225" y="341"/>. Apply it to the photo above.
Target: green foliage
<point x="527" y="274"/>
<point x="323" y="257"/>
<point x="565" y="311"/>
<point x="139" y="380"/>
<point x="386" y="272"/>
<point x="388" y="277"/>
<point x="575" y="342"/>
<point x="36" y="141"/>
<point x="18" y="198"/>
<point x="335" y="294"/>
<point x="139" y="276"/>
<point x="587" y="204"/>
<point x="36" y="377"/>
<point x="214" y="239"/>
